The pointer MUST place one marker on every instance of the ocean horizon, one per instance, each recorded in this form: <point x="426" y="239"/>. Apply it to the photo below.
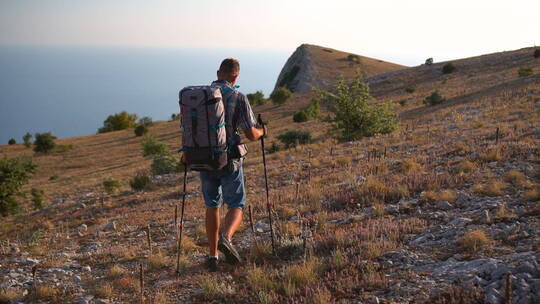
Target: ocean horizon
<point x="70" y="91"/>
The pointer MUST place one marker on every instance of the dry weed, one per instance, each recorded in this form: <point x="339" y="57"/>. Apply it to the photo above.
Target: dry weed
<point x="473" y="241"/>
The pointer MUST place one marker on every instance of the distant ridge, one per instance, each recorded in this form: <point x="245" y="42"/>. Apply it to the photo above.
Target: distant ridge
<point x="312" y="65"/>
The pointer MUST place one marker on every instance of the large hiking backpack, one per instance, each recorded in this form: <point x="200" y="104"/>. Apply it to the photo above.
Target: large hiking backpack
<point x="204" y="138"/>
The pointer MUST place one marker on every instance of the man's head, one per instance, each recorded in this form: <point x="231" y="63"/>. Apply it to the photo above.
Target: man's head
<point x="229" y="70"/>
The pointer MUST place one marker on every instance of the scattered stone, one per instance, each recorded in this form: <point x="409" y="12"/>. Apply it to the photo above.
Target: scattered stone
<point x="110" y="226"/>
<point x="444" y="205"/>
<point x="86" y="269"/>
<point x="460" y="222"/>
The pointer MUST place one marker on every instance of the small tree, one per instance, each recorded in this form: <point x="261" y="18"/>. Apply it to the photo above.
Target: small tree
<point x="44" y="142"/>
<point x="12" y="141"/>
<point x="175" y="116"/>
<point x="280" y="95"/>
<point x="434" y="99"/>
<point x="410" y="89"/>
<point x="141" y="130"/>
<point x="146" y="121"/>
<point x="27" y="139"/>
<point x="152" y="146"/>
<point x="293" y="137"/>
<point x="429" y="61"/>
<point x="111" y="185"/>
<point x="449" y="68"/>
<point x="354" y="113"/>
<point x="537" y="53"/>
<point x="165" y="164"/>
<point x="256" y="98"/>
<point x="14" y="174"/>
<point x="314" y="109"/>
<point x="273" y="148"/>
<point x="140" y="181"/>
<point x="37" y="198"/>
<point x="119" y="121"/>
<point x="300" y="116"/>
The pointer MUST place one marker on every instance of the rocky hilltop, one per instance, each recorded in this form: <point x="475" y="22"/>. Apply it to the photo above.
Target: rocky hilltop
<point x="312" y="65"/>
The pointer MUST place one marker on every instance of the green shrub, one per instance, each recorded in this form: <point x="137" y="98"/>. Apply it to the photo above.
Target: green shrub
<point x="53" y="177"/>
<point x="146" y="121"/>
<point x="12" y="141"/>
<point x="118" y="121"/>
<point x="44" y="142"/>
<point x="175" y="116"/>
<point x="141" y="130"/>
<point x="449" y="68"/>
<point x="314" y="109"/>
<point x="525" y="71"/>
<point x="112" y="185"/>
<point x="27" y="139"/>
<point x="273" y="148"/>
<point x="354" y="113"/>
<point x="536" y="53"/>
<point x="410" y="89"/>
<point x="256" y="98"/>
<point x="300" y="116"/>
<point x="280" y="95"/>
<point x="152" y="146"/>
<point x="293" y="137"/>
<point x="140" y="181"/>
<point x="403" y="102"/>
<point x="165" y="164"/>
<point x="434" y="99"/>
<point x="37" y="198"/>
<point x="14" y="174"/>
<point x="429" y="61"/>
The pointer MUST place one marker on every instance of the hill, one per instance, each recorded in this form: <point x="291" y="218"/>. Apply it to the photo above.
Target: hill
<point x="444" y="210"/>
<point x="312" y="65"/>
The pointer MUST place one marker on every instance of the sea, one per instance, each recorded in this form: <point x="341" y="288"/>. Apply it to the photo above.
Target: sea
<point x="70" y="91"/>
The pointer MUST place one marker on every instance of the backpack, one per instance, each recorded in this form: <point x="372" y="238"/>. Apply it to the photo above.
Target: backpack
<point x="204" y="139"/>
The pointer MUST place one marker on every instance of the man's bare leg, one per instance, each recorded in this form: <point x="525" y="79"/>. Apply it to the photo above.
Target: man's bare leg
<point x="212" y="229"/>
<point x="232" y="222"/>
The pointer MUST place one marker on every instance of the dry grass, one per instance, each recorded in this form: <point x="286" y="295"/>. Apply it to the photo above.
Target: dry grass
<point x="466" y="166"/>
<point x="290" y="228"/>
<point x="6" y="295"/>
<point x="45" y="293"/>
<point x="260" y="252"/>
<point x="157" y="262"/>
<point x="126" y="284"/>
<point x="104" y="291"/>
<point x="532" y="195"/>
<point x="447" y="195"/>
<point x="322" y="296"/>
<point x="475" y="240"/>
<point x="338" y="259"/>
<point x="260" y="279"/>
<point x="491" y="155"/>
<point x="491" y="188"/>
<point x="301" y="275"/>
<point x="161" y="298"/>
<point x="408" y="166"/>
<point x="503" y="212"/>
<point x="116" y="271"/>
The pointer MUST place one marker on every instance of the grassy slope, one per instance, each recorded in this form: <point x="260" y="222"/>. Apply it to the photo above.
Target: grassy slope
<point x="495" y="97"/>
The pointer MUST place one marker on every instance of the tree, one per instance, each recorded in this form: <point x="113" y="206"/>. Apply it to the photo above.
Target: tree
<point x="355" y="113"/>
<point x="280" y="95"/>
<point x="152" y="146"/>
<point x="429" y="61"/>
<point x="434" y="99"/>
<point x="291" y="138"/>
<point x="37" y="198"/>
<point x="536" y="53"/>
<point x="300" y="116"/>
<point x="119" y="121"/>
<point x="14" y="174"/>
<point x="44" y="142"/>
<point x="256" y="98"/>
<point x="146" y="121"/>
<point x="141" y="130"/>
<point x="12" y="141"/>
<point x="449" y="68"/>
<point x="27" y="139"/>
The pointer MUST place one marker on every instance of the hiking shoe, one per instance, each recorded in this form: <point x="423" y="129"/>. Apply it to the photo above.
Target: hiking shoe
<point x="212" y="264"/>
<point x="225" y="246"/>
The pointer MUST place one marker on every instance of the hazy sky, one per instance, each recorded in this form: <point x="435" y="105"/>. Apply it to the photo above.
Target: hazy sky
<point x="402" y="31"/>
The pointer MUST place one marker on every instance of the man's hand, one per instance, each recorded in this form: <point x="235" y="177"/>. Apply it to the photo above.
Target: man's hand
<point x="255" y="133"/>
<point x="183" y="158"/>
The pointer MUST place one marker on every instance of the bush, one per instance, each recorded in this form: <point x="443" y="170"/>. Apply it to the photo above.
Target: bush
<point x="27" y="139"/>
<point x="256" y="98"/>
<point x="12" y="141"/>
<point x="537" y="53"/>
<point x="353" y="58"/>
<point x="293" y="137"/>
<point x="37" y="198"/>
<point x="280" y="95"/>
<point x="410" y="89"/>
<point x="111" y="185"/>
<point x="152" y="146"/>
<point x="146" y="121"/>
<point x="354" y="116"/>
<point x="403" y="102"/>
<point x="119" y="121"/>
<point x="300" y="116"/>
<point x="273" y="148"/>
<point x="141" y="130"/>
<point x="14" y="174"/>
<point x="140" y="181"/>
<point x="165" y="164"/>
<point x="175" y="116"/>
<point x="449" y="68"/>
<point x="429" y="61"/>
<point x="44" y="142"/>
<point x="525" y="71"/>
<point x="314" y="109"/>
<point x="434" y="99"/>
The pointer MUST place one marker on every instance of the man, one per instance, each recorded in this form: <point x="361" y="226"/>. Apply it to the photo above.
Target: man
<point x="228" y="183"/>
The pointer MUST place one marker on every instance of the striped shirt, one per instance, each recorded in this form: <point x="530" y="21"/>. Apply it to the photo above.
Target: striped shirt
<point x="238" y="112"/>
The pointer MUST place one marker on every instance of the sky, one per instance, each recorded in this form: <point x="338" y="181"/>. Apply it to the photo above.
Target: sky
<point x="401" y="31"/>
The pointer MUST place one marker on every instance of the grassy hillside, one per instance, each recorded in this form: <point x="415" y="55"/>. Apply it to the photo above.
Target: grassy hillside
<point x="395" y="218"/>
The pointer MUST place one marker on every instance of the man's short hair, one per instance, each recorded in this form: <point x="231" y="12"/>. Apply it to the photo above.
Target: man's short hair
<point x="230" y="66"/>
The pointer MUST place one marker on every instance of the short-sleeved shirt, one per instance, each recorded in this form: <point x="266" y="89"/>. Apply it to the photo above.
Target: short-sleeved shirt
<point x="238" y="112"/>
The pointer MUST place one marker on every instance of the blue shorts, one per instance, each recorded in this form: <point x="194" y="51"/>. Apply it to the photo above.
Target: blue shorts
<point x="230" y="185"/>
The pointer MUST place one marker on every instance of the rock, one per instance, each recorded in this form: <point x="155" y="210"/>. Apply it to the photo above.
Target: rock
<point x="444" y="205"/>
<point x="474" y="156"/>
<point x="262" y="227"/>
<point x="460" y="222"/>
<point x="526" y="267"/>
<point x="493" y="296"/>
<point x="30" y="261"/>
<point x="82" y="228"/>
<point x="499" y="272"/>
<point x="81" y="206"/>
<point x="486" y="217"/>
<point x="110" y="226"/>
<point x="86" y="269"/>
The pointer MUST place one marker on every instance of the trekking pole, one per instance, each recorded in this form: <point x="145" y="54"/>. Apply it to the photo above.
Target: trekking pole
<point x="268" y="206"/>
<point x="181" y="223"/>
